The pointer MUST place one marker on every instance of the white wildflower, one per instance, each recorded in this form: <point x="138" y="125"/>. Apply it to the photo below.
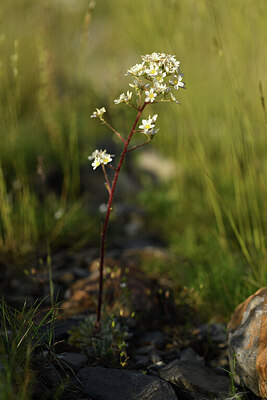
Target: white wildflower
<point x="99" y="113"/>
<point x="96" y="163"/>
<point x="100" y="157"/>
<point x="157" y="56"/>
<point x="176" y="82"/>
<point x="152" y="70"/>
<point x="129" y="95"/>
<point x="137" y="69"/>
<point x="95" y="154"/>
<point x="152" y="132"/>
<point x="177" y="65"/>
<point x="154" y="57"/>
<point x="120" y="99"/>
<point x="161" y="88"/>
<point x="160" y="77"/>
<point x="157" y="75"/>
<point x="150" y="95"/>
<point x="124" y="98"/>
<point x="171" y="65"/>
<point x="147" y="124"/>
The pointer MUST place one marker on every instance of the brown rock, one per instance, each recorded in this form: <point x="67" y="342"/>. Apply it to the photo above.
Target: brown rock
<point x="248" y="343"/>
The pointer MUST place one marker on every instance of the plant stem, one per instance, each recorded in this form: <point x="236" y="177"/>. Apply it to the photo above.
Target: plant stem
<point x="139" y="145"/>
<point x="104" y="230"/>
<point x="114" y="130"/>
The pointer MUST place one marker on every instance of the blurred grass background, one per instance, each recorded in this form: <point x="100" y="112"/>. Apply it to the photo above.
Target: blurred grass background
<point x="61" y="59"/>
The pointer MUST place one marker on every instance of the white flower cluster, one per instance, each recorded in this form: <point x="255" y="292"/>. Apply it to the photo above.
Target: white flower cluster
<point x="155" y="77"/>
<point x="148" y="127"/>
<point x="124" y="98"/>
<point x="161" y="73"/>
<point x="99" y="113"/>
<point x="100" y="157"/>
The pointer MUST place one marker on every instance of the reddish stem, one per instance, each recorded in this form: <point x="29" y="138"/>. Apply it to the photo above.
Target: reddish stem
<point x="105" y="226"/>
<point x="114" y="130"/>
<point x="111" y="167"/>
<point x="139" y="145"/>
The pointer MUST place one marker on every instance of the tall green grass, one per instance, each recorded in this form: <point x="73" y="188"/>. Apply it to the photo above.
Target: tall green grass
<point x="213" y="210"/>
<point x="22" y="337"/>
<point x="42" y="108"/>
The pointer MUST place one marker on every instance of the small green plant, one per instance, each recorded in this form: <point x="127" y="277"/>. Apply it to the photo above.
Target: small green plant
<point x="233" y="393"/>
<point x="232" y="378"/>
<point x="107" y="345"/>
<point x="154" y="80"/>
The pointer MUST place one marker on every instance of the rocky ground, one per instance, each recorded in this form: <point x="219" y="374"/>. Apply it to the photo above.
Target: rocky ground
<point x="172" y="353"/>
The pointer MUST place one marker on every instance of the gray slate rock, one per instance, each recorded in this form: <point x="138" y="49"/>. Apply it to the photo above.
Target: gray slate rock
<point x="113" y="384"/>
<point x="195" y="382"/>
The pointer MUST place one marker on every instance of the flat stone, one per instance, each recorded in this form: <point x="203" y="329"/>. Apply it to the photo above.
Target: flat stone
<point x="194" y="381"/>
<point x="113" y="384"/>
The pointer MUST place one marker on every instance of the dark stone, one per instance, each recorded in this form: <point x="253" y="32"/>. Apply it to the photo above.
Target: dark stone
<point x="112" y="384"/>
<point x="155" y="368"/>
<point x="194" y="381"/>
<point x="189" y="354"/>
<point x="76" y="361"/>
